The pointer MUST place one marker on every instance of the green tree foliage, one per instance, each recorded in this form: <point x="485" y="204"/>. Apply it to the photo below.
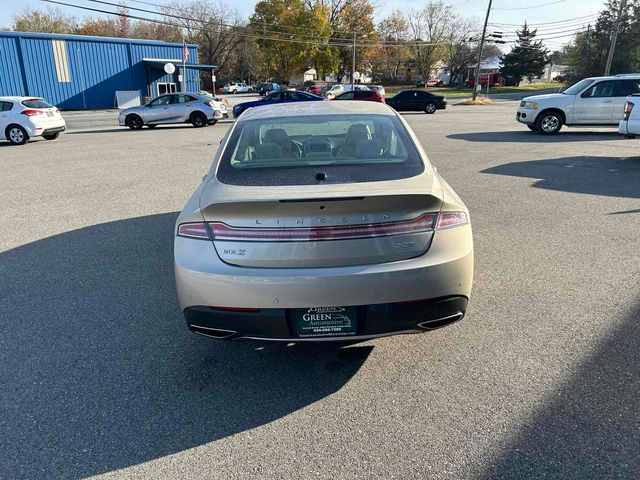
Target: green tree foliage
<point x="292" y="20"/>
<point x="587" y="54"/>
<point x="527" y="58"/>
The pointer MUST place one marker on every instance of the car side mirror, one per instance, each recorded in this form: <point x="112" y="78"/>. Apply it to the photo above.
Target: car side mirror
<point x="585" y="94"/>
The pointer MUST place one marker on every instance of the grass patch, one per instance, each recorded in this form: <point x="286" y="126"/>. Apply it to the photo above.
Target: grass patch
<point x="477" y="101"/>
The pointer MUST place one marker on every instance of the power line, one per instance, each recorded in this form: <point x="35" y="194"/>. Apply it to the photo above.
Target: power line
<point x="532" y="6"/>
<point x="593" y="15"/>
<point x="329" y="42"/>
<point x="175" y="9"/>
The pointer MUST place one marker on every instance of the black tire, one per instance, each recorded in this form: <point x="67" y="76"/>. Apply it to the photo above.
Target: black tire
<point x="533" y="128"/>
<point x="51" y="136"/>
<point x="198" y="119"/>
<point x="152" y="126"/>
<point x="549" y="123"/>
<point x="134" y="122"/>
<point x="16" y="135"/>
<point x="430" y="108"/>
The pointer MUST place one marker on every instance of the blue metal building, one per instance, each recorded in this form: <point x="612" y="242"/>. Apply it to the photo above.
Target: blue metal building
<point x="81" y="72"/>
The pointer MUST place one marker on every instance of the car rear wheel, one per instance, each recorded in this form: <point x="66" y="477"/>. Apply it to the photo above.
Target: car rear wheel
<point x="549" y="123"/>
<point x="134" y="122"/>
<point x="51" y="136"/>
<point x="17" y="135"/>
<point x="430" y="108"/>
<point x="198" y="119"/>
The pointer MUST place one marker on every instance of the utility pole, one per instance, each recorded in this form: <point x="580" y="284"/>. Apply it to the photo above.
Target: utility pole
<point x="477" y="75"/>
<point x="353" y="61"/>
<point x="614" y="37"/>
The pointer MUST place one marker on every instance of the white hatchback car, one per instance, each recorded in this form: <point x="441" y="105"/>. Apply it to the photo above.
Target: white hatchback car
<point x="23" y="118"/>
<point x="595" y="101"/>
<point x="629" y="126"/>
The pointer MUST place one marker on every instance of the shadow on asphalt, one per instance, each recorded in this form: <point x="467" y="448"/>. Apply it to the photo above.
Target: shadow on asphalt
<point x="99" y="371"/>
<point x="610" y="176"/>
<point x="525" y="135"/>
<point x="590" y="429"/>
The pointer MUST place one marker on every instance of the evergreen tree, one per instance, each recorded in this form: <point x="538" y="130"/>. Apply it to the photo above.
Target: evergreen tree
<point x="526" y="59"/>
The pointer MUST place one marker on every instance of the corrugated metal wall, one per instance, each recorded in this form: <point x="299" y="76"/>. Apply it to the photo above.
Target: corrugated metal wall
<point x="73" y="72"/>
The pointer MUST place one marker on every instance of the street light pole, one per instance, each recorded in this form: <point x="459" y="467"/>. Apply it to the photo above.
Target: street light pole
<point x="477" y="75"/>
<point x="614" y="37"/>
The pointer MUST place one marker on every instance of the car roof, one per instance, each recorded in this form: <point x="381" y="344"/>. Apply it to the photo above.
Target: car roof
<point x="345" y="107"/>
<point x="19" y="99"/>
<point x="622" y="76"/>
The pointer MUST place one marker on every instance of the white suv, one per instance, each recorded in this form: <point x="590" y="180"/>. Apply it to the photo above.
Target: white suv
<point x="592" y="101"/>
<point x="239" y="87"/>
<point x="23" y="118"/>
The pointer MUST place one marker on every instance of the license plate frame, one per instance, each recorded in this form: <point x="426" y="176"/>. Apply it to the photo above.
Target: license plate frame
<point x="318" y="322"/>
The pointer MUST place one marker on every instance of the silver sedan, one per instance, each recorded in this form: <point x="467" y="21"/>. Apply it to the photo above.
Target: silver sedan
<point x="322" y="221"/>
<point x="199" y="110"/>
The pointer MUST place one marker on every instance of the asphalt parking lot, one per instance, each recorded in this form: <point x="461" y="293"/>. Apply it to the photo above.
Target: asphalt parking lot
<point x="100" y="376"/>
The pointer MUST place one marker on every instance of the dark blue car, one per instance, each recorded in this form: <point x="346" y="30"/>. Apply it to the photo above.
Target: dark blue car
<point x="283" y="96"/>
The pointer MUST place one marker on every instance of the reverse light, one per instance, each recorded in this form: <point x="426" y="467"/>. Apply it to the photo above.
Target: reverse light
<point x="628" y="108"/>
<point x="221" y="231"/>
<point x="451" y="219"/>
<point x="193" y="230"/>
<point x="32" y="113"/>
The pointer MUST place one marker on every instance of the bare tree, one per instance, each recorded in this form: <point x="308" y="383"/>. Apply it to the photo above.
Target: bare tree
<point x="428" y="29"/>
<point x="392" y="53"/>
<point x="214" y="27"/>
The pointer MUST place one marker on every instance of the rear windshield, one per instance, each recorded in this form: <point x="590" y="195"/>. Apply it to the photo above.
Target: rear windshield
<point x="337" y="149"/>
<point x="35" y="103"/>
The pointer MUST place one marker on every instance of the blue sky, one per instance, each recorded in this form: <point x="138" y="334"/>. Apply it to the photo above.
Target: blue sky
<point x="548" y="11"/>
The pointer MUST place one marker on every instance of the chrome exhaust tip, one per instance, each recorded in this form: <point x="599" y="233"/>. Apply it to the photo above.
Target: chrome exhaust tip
<point x="219" y="333"/>
<point x="441" y="322"/>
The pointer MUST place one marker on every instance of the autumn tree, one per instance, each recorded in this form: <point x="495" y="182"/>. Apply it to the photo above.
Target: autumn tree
<point x="292" y="37"/>
<point x="51" y="20"/>
<point x="391" y="53"/>
<point x="428" y="28"/>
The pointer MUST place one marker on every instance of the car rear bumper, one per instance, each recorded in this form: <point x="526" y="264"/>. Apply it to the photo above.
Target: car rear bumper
<point x="629" y="127"/>
<point x="44" y="128"/>
<point x="278" y="324"/>
<point x="204" y="280"/>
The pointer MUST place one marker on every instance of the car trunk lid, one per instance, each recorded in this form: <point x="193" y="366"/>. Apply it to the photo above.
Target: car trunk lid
<point x="322" y="228"/>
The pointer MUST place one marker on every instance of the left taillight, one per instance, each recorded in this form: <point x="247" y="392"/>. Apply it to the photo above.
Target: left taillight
<point x="32" y="113"/>
<point x="193" y="230"/>
<point x="451" y="219"/>
<point x="628" y="108"/>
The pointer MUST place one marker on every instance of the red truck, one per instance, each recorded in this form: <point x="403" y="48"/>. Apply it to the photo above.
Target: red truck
<point x="495" y="80"/>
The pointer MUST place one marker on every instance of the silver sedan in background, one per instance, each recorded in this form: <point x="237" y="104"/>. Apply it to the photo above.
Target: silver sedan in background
<point x="322" y="221"/>
<point x="199" y="110"/>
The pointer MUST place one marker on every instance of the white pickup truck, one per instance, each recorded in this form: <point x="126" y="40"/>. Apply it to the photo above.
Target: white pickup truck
<point x="596" y="101"/>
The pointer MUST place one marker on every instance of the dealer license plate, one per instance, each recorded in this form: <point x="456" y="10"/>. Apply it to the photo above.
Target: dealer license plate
<point x="326" y="321"/>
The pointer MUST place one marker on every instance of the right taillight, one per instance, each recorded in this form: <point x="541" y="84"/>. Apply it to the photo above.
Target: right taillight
<point x="451" y="219"/>
<point x="628" y="107"/>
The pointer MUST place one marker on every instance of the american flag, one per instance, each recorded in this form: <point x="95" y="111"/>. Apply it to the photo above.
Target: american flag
<point x="185" y="52"/>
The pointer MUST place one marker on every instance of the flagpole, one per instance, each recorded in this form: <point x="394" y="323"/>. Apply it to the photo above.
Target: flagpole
<point x="184" y="65"/>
